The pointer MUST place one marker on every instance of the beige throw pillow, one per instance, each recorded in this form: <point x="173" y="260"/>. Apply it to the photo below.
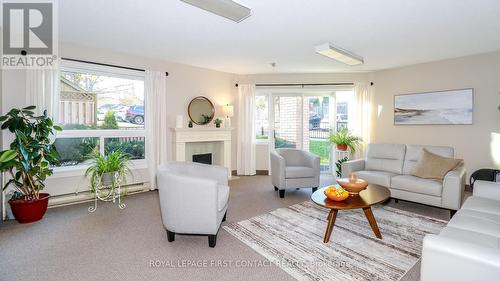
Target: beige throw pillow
<point x="433" y="166"/>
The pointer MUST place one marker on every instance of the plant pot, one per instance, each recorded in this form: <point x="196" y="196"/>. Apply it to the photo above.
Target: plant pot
<point x="29" y="211"/>
<point x="217" y="125"/>
<point x="107" y="178"/>
<point x="342" y="147"/>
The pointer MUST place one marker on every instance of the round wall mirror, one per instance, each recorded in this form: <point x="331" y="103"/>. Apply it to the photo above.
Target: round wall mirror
<point x="201" y="110"/>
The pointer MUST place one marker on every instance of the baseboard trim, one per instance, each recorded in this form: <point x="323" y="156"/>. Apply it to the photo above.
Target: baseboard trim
<point x="257" y="172"/>
<point x="87" y="196"/>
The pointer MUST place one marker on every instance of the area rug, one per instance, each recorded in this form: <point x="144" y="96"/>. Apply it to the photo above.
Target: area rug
<point x="292" y="238"/>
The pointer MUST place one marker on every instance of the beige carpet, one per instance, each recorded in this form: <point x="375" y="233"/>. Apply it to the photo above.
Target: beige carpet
<point x="112" y="244"/>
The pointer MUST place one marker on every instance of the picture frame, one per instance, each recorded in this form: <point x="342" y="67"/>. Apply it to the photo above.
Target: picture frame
<point x="448" y="107"/>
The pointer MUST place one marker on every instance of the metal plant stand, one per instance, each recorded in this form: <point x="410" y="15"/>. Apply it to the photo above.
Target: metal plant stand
<point x="108" y="192"/>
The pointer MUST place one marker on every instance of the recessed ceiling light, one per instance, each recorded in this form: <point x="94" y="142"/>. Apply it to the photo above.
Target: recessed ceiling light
<point x="338" y="54"/>
<point x="224" y="8"/>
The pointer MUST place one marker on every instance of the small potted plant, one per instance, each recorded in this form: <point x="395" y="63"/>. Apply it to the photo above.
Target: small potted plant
<point x="28" y="161"/>
<point x="344" y="140"/>
<point x="217" y="122"/>
<point x="107" y="169"/>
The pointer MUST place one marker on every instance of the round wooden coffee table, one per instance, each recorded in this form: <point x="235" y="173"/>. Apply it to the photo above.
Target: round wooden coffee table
<point x="373" y="194"/>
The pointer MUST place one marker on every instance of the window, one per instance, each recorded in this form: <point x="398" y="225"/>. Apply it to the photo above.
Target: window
<point x="345" y="110"/>
<point x="100" y="108"/>
<point x="304" y="119"/>
<point x="261" y="117"/>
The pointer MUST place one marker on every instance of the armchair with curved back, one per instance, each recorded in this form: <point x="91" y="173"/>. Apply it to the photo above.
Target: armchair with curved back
<point x="193" y="198"/>
<point x="294" y="168"/>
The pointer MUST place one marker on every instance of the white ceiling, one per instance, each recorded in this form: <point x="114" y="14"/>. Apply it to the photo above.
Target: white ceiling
<point x="386" y="33"/>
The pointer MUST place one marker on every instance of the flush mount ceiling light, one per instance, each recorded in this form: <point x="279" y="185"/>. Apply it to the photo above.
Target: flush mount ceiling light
<point x="224" y="8"/>
<point x="338" y="54"/>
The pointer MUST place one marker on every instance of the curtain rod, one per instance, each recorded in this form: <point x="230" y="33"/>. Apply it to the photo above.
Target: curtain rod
<point x="105" y="64"/>
<point x="302" y="85"/>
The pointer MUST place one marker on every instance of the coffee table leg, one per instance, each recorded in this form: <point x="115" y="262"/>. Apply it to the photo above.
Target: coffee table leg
<point x="331" y="222"/>
<point x="373" y="223"/>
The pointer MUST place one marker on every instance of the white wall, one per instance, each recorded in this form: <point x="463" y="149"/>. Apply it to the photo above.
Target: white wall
<point x="183" y="83"/>
<point x="262" y="149"/>
<point x="477" y="144"/>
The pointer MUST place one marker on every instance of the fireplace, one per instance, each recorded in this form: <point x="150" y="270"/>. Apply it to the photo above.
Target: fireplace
<point x="201" y="140"/>
<point x="205" y="158"/>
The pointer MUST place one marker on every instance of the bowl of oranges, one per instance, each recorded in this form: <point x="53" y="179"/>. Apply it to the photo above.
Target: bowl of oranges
<point x="336" y="193"/>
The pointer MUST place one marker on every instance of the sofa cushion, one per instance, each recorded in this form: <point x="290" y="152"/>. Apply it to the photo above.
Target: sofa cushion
<point x="385" y="157"/>
<point x="295" y="172"/>
<point x="376" y="177"/>
<point x="475" y="224"/>
<point x="433" y="166"/>
<point x="472" y="237"/>
<point x="417" y="185"/>
<point x="495" y="218"/>
<point x="222" y="196"/>
<point x="414" y="152"/>
<point x="480" y="204"/>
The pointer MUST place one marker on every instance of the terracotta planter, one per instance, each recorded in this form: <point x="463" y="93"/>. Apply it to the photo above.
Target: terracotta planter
<point x="342" y="147"/>
<point x="29" y="211"/>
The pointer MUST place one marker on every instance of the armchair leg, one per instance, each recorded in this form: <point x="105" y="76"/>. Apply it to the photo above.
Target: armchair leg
<point x="282" y="193"/>
<point x="224" y="218"/>
<point x="275" y="188"/>
<point x="170" y="236"/>
<point x="314" y="189"/>
<point x="452" y="213"/>
<point x="212" y="240"/>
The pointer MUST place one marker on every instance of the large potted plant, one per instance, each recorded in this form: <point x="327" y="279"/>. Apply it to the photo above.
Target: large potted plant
<point x="344" y="140"/>
<point x="28" y="161"/>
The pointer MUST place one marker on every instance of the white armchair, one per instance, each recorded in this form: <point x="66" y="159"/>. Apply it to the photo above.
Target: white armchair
<point x="294" y="168"/>
<point x="193" y="198"/>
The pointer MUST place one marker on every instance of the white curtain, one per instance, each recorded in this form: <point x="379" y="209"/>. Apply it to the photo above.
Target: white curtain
<point x="246" y="130"/>
<point x="42" y="91"/>
<point x="156" y="122"/>
<point x="364" y="98"/>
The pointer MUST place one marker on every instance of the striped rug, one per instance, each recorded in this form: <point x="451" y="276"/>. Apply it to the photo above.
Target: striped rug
<point x="292" y="238"/>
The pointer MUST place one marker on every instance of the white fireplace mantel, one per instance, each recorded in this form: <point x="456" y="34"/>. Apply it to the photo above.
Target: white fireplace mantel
<point x="183" y="136"/>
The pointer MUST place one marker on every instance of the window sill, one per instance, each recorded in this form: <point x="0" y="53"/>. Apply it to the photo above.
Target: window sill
<point x="79" y="170"/>
<point x="262" y="141"/>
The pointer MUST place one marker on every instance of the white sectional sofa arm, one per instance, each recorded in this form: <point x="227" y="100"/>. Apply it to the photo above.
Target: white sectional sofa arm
<point x="351" y="166"/>
<point x="277" y="169"/>
<point x="453" y="188"/>
<point x="487" y="189"/>
<point x="445" y="258"/>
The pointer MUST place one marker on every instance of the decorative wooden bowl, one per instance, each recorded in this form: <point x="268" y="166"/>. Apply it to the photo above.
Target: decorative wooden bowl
<point x="354" y="186"/>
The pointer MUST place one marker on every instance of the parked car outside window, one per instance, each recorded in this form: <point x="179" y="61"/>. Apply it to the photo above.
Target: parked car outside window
<point x="135" y="114"/>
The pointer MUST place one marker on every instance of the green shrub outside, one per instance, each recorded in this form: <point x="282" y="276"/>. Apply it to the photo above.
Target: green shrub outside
<point x="109" y="121"/>
<point x="134" y="149"/>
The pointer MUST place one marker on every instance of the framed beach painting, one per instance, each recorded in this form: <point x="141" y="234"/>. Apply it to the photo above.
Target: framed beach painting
<point x="453" y="107"/>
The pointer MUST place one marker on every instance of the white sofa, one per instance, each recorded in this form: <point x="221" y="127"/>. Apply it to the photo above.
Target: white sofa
<point x="294" y="168"/>
<point x="391" y="165"/>
<point x="193" y="198"/>
<point x="468" y="248"/>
